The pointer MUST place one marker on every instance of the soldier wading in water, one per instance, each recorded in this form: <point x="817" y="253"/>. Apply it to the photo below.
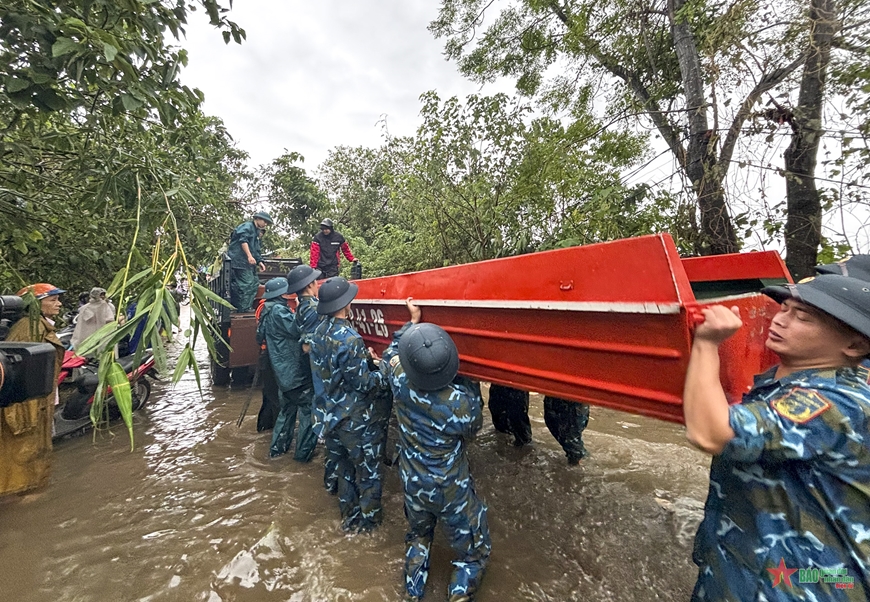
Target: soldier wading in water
<point x="438" y="413"/>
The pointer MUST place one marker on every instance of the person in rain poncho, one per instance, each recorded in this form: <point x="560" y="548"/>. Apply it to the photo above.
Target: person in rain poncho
<point x="25" y="428"/>
<point x="93" y="315"/>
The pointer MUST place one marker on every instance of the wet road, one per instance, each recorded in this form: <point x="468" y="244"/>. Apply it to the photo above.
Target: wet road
<point x="199" y="513"/>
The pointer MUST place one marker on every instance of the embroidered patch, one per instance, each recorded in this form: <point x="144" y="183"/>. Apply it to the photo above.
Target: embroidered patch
<point x="394" y="361"/>
<point x="800" y="405"/>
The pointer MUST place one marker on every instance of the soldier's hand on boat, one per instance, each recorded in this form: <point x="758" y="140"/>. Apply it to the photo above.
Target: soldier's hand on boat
<point x="414" y="310"/>
<point x="719" y="323"/>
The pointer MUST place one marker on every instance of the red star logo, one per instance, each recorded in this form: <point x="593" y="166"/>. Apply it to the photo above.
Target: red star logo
<point x="781" y="573"/>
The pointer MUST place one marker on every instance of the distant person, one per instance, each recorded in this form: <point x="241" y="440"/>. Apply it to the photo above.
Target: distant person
<point x="245" y="259"/>
<point x="93" y="315"/>
<point x="790" y="475"/>
<point x="325" y="249"/>
<point x="439" y="413"/>
<point x="26" y="428"/>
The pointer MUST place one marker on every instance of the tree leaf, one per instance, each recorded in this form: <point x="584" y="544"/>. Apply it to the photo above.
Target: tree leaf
<point x="64" y="46"/>
<point x="109" y="51"/>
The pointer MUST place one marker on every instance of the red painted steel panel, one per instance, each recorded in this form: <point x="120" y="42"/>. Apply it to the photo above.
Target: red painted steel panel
<point x="608" y="324"/>
<point x="766" y="265"/>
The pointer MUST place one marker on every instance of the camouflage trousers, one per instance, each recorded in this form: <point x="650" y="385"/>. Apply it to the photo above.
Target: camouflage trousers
<point x="382" y="408"/>
<point x="463" y="518"/>
<point x="296" y="402"/>
<point x="567" y="420"/>
<point x="356" y="453"/>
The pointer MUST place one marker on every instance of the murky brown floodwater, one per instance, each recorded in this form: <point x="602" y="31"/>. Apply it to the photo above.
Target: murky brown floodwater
<point x="180" y="518"/>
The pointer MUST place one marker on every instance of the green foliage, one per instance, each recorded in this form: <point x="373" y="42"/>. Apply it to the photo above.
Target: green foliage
<point x="483" y="178"/>
<point x="101" y="145"/>
<point x="296" y="200"/>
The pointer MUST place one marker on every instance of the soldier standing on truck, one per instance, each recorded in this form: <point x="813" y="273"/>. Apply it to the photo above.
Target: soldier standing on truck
<point x="244" y="253"/>
<point x="325" y="249"/>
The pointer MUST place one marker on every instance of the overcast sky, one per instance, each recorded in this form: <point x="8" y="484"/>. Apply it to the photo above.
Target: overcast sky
<point x="315" y="75"/>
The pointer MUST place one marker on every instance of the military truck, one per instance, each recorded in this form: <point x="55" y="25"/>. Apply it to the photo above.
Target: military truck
<point x="239" y="329"/>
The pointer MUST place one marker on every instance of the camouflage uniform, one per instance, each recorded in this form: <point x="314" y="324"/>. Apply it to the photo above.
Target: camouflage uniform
<point x="308" y="320"/>
<point x="434" y="427"/>
<point x="566" y="421"/>
<point x="792" y="487"/>
<point x="278" y="327"/>
<point x="343" y="417"/>
<point x="509" y="408"/>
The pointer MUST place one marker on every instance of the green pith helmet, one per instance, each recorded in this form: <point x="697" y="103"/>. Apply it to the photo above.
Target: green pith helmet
<point x="275" y="288"/>
<point x="300" y="277"/>
<point x="428" y="356"/>
<point x="334" y="294"/>
<point x="264" y="216"/>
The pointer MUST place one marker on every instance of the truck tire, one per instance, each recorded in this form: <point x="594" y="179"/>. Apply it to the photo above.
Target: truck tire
<point x="220" y="376"/>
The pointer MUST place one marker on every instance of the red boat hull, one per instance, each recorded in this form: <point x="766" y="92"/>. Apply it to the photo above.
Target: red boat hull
<point x="607" y="324"/>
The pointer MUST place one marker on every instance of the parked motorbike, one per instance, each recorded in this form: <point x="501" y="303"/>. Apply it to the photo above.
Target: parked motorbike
<point x="77" y="386"/>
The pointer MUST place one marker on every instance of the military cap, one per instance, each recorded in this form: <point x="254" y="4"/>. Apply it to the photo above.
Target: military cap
<point x="275" y="288"/>
<point x="327" y="223"/>
<point x="856" y="266"/>
<point x="300" y="277"/>
<point x="428" y="356"/>
<point x="846" y="299"/>
<point x="264" y="216"/>
<point x="334" y="294"/>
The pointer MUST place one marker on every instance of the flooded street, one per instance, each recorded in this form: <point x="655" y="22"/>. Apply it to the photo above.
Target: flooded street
<point x="199" y="513"/>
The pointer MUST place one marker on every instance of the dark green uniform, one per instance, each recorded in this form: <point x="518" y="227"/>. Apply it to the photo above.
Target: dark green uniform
<point x="244" y="282"/>
<point x="279" y="328"/>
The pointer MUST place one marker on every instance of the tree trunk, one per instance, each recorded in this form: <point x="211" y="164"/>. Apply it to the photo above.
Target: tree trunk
<point x="803" y="228"/>
<point x="701" y="165"/>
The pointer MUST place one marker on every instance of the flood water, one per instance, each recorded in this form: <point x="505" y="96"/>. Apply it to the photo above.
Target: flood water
<point x="199" y="513"/>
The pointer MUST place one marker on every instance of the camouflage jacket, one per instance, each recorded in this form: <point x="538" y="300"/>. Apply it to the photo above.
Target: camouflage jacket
<point x="792" y="491"/>
<point x="434" y="426"/>
<point x="307" y="317"/>
<point x="342" y="378"/>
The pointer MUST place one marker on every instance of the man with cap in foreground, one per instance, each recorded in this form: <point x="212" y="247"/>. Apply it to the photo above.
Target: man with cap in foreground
<point x="245" y="258"/>
<point x="438" y="413"/>
<point x="292" y="372"/>
<point x="325" y="249"/>
<point x="343" y="410"/>
<point x="790" y="476"/>
<point x="26" y="428"/>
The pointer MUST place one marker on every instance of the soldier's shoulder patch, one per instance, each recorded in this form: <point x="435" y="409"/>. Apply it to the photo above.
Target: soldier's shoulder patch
<point x="864" y="373"/>
<point x="800" y="405"/>
<point x="394" y="361"/>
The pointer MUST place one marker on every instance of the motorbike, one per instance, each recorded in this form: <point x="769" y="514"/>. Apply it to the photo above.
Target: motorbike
<point x="77" y="386"/>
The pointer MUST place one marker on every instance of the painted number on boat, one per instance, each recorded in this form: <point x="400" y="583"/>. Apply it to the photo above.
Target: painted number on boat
<point x="371" y="322"/>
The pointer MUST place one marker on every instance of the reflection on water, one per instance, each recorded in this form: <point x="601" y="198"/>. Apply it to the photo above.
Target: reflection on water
<point x="199" y="512"/>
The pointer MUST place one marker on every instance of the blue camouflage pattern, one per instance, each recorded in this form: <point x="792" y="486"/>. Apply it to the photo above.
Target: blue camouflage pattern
<point x="566" y="421"/>
<point x="344" y="417"/>
<point x="434" y="430"/>
<point x="792" y="487"/>
<point x="307" y="317"/>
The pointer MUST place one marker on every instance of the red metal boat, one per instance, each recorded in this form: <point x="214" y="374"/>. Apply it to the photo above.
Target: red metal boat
<point x="607" y="324"/>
